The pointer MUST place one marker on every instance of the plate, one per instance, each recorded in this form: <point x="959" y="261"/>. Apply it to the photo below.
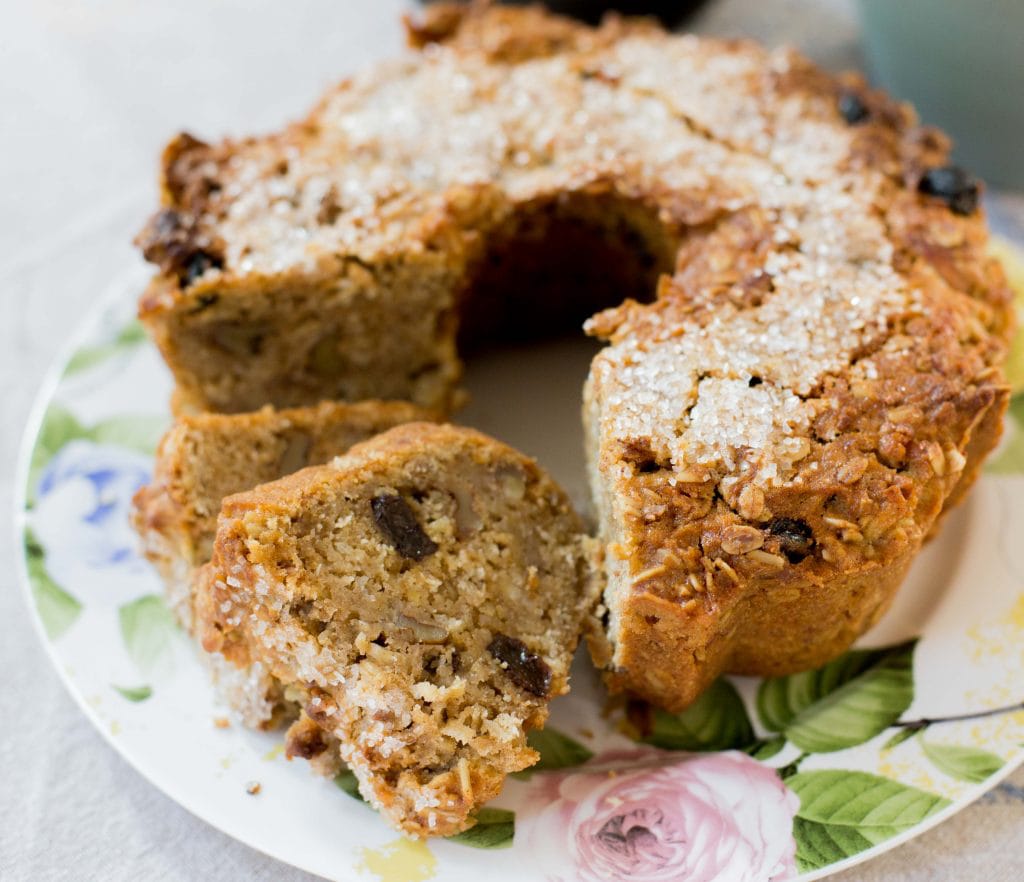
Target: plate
<point x="759" y="780"/>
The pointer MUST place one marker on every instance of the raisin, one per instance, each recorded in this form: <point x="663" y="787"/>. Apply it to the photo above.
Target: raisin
<point x="524" y="668"/>
<point x="173" y="240"/>
<point x="956" y="187"/>
<point x="754" y="381"/>
<point x="796" y="539"/>
<point x="198" y="264"/>
<point x="397" y="522"/>
<point x="852" y="108"/>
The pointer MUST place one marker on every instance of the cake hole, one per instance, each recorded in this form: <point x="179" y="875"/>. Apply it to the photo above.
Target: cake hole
<point x="555" y="264"/>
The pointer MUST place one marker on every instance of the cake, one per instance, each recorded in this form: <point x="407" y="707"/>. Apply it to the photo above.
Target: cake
<point x="765" y="525"/>
<point x="205" y="457"/>
<point x="422" y="597"/>
<point x="805" y="334"/>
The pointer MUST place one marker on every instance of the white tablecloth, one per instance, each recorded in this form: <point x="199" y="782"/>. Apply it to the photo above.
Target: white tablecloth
<point x="89" y="91"/>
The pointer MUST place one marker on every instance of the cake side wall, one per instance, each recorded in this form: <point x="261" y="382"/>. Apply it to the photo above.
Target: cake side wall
<point x="383" y="333"/>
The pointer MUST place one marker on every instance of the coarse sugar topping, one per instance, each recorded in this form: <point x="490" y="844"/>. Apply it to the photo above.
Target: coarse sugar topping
<point x="382" y="150"/>
<point x="737" y="392"/>
<point x="730" y="417"/>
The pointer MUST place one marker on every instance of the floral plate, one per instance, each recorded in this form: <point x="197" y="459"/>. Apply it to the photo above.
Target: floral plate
<point x="760" y="780"/>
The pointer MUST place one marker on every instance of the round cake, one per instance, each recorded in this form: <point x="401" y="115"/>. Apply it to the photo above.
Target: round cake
<point x="805" y="333"/>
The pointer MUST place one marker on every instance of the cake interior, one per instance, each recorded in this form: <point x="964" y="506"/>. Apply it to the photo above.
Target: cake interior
<point x="433" y="610"/>
<point x="351" y="335"/>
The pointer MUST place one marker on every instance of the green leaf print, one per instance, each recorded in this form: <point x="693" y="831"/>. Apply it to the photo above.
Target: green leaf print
<point x="58" y="428"/>
<point x="766" y="748"/>
<point x="1010" y="458"/>
<point x="57" y="609"/>
<point x="971" y="764"/>
<point x="557" y="751"/>
<point x="136" y="432"/>
<point x="715" y="721"/>
<point x="845" y="703"/>
<point x="134" y="693"/>
<point x="844" y="812"/>
<point x="901" y="736"/>
<point x="148" y="631"/>
<point x="494" y="828"/>
<point x="130" y="336"/>
<point x="1011" y="256"/>
<point x="346" y="780"/>
<point x="780" y="700"/>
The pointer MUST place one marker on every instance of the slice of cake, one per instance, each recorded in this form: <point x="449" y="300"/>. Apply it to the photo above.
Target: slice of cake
<point x="423" y="595"/>
<point x="768" y="456"/>
<point x="204" y="458"/>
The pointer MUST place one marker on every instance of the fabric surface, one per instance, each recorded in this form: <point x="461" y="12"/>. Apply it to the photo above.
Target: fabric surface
<point x="89" y="92"/>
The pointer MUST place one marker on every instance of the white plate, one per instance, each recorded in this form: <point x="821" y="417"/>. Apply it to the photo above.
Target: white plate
<point x="632" y="811"/>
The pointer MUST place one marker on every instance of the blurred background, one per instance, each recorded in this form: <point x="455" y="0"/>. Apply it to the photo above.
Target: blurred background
<point x="90" y="92"/>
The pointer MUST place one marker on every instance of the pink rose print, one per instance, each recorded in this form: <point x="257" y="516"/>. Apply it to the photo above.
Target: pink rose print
<point x="654" y="816"/>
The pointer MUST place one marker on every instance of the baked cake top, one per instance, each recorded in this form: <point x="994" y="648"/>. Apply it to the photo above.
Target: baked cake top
<point x="817" y="220"/>
<point x="526" y="103"/>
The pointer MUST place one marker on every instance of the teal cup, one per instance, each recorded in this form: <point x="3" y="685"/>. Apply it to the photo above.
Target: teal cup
<point x="961" y="64"/>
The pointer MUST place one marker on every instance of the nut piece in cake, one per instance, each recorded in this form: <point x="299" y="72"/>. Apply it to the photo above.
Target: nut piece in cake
<point x="422" y="596"/>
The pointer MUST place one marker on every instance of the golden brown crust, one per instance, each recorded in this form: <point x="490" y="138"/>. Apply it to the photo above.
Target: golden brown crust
<point x="712" y="588"/>
<point x="769" y="618"/>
